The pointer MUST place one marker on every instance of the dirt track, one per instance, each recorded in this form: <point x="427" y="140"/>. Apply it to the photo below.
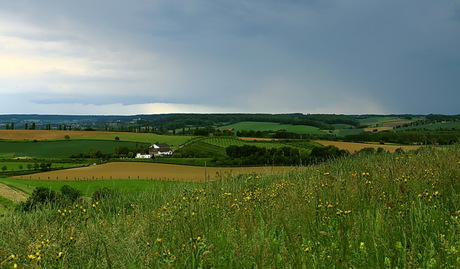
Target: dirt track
<point x="12" y="194"/>
<point x="149" y="171"/>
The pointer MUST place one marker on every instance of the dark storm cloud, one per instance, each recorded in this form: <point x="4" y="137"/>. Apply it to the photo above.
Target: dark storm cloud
<point x="250" y="56"/>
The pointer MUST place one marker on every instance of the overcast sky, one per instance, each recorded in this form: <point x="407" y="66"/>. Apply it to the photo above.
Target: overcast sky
<point x="265" y="56"/>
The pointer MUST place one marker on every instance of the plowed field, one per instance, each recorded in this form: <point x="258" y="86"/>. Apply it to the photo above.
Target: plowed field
<point x="150" y="171"/>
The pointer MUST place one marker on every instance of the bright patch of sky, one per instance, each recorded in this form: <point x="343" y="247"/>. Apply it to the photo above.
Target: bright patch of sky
<point x="166" y="56"/>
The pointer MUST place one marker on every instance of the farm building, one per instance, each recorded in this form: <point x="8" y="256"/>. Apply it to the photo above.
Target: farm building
<point x="160" y="149"/>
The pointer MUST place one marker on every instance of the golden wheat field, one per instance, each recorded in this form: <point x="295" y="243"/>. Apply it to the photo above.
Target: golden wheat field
<point x="45" y="134"/>
<point x="353" y="147"/>
<point x="150" y="171"/>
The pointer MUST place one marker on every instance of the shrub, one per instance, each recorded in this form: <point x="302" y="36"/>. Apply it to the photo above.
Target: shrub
<point x="70" y="194"/>
<point x="40" y="196"/>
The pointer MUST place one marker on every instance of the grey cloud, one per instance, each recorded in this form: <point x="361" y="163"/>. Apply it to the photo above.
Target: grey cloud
<point x="401" y="55"/>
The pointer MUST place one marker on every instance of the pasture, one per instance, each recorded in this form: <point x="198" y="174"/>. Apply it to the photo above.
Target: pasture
<point x="88" y="187"/>
<point x="61" y="149"/>
<point x="273" y="126"/>
<point x="29" y="165"/>
<point x="149" y="171"/>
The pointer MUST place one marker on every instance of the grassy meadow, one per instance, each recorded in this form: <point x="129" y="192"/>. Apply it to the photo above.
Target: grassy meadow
<point x="61" y="149"/>
<point x="273" y="126"/>
<point x="369" y="211"/>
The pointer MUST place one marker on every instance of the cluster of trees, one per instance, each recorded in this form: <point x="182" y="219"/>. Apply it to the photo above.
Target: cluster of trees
<point x="119" y="152"/>
<point x="251" y="155"/>
<point x="407" y="137"/>
<point x="248" y="155"/>
<point x="45" y="166"/>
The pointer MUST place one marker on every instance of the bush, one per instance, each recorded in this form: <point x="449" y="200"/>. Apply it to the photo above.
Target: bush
<point x="70" y="194"/>
<point x="40" y="196"/>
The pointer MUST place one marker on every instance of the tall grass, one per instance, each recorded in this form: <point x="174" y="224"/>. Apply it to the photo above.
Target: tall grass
<point x="373" y="211"/>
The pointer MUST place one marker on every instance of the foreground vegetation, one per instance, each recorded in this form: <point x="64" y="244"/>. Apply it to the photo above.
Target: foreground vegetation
<point x="372" y="211"/>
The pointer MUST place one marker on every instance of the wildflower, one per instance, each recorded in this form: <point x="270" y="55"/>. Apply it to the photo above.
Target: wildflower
<point x="148" y="244"/>
<point x="39" y="259"/>
<point x="307" y="250"/>
<point x="60" y="254"/>
<point x="15" y="266"/>
<point x="160" y="240"/>
<point x="198" y="238"/>
<point x="32" y="257"/>
<point x="361" y="245"/>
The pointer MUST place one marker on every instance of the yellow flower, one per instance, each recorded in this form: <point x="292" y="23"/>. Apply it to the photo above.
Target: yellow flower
<point x="39" y="259"/>
<point x="15" y="266"/>
<point x="198" y="238"/>
<point x="361" y="245"/>
<point x="307" y="249"/>
<point x="32" y="257"/>
<point x="159" y="240"/>
<point x="60" y="254"/>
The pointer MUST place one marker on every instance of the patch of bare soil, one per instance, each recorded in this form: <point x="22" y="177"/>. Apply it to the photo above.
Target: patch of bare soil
<point x="151" y="171"/>
<point x="12" y="194"/>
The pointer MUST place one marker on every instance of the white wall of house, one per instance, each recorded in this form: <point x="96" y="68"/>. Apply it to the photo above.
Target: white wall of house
<point x="143" y="156"/>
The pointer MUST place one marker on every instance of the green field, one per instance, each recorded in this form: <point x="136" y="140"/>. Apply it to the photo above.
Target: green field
<point x="272" y="126"/>
<point x="61" y="149"/>
<point x="16" y="165"/>
<point x="137" y="137"/>
<point x="224" y="142"/>
<point x="89" y="186"/>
